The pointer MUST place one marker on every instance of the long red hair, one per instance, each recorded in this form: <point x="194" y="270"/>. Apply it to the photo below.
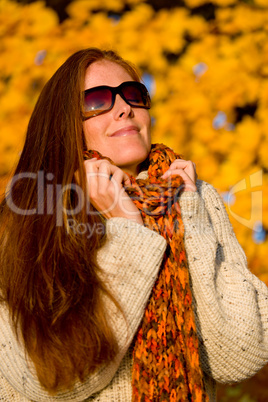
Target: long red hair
<point x="49" y="277"/>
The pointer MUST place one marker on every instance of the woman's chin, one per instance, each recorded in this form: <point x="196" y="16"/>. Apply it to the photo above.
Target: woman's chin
<point x="132" y="166"/>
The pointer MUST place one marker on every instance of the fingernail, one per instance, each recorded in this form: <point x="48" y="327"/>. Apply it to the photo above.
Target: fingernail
<point x="164" y="175"/>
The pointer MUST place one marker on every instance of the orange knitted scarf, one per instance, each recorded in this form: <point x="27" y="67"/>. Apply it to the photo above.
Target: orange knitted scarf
<point x="166" y="363"/>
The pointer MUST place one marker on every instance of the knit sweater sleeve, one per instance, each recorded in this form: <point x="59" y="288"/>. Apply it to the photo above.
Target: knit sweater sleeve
<point x="231" y="304"/>
<point x="130" y="260"/>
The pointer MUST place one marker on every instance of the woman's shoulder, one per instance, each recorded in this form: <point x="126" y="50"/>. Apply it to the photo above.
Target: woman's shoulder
<point x="206" y="189"/>
<point x="206" y="194"/>
<point x="206" y="204"/>
<point x="211" y="196"/>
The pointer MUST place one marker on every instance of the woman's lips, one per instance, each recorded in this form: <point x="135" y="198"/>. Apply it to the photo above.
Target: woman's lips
<point x="125" y="131"/>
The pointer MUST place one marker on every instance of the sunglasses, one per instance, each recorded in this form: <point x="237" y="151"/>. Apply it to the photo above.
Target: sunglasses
<point x="101" y="99"/>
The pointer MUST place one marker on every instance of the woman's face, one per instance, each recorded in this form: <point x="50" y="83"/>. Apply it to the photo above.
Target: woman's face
<point x="123" y="133"/>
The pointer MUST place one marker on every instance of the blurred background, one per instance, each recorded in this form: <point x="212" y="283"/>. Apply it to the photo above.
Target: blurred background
<point x="205" y="64"/>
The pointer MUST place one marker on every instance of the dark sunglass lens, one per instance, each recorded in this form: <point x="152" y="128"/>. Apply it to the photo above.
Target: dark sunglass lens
<point x="136" y="95"/>
<point x="97" y="101"/>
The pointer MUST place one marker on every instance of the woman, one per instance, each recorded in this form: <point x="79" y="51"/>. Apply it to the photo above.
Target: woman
<point x="77" y="272"/>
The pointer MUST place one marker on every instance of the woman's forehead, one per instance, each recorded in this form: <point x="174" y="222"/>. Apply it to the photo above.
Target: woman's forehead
<point x="105" y="72"/>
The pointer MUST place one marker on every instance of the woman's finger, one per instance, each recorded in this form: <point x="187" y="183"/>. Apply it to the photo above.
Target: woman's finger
<point x="106" y="190"/>
<point x="188" y="166"/>
<point x="188" y="183"/>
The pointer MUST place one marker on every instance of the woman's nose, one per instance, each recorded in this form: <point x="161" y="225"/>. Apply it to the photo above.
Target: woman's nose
<point x="121" y="108"/>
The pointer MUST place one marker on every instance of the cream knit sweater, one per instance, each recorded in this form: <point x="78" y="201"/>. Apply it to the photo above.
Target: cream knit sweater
<point x="231" y="305"/>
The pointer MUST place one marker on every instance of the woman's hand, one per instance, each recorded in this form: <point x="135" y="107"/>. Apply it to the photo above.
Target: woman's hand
<point x="186" y="170"/>
<point x="106" y="191"/>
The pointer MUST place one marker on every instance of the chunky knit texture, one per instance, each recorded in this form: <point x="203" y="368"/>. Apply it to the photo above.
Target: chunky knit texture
<point x="166" y="356"/>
